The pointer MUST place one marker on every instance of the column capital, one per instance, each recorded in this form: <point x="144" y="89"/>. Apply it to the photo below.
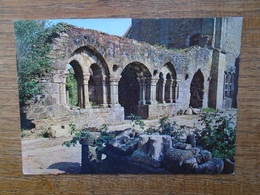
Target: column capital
<point x="115" y="78"/>
<point x="86" y="77"/>
<point x="142" y="80"/>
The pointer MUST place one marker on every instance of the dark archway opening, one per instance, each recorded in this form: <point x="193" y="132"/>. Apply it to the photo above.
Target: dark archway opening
<point x="197" y="90"/>
<point x="74" y="84"/>
<point x="159" y="87"/>
<point x="134" y="88"/>
<point x="129" y="91"/>
<point x="235" y="84"/>
<point x="95" y="85"/>
<point x="195" y="40"/>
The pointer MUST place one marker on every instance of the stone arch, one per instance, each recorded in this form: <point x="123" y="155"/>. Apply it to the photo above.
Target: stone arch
<point x="134" y="88"/>
<point x="197" y="90"/>
<point x="91" y="55"/>
<point x="166" y="88"/>
<point x="95" y="74"/>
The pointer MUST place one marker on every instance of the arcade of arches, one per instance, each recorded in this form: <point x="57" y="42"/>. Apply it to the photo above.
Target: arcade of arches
<point x="104" y="79"/>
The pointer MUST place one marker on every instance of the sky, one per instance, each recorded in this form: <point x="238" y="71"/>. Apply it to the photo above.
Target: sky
<point x="111" y="26"/>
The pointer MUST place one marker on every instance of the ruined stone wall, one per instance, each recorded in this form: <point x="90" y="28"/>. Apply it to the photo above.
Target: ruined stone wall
<point x="112" y="55"/>
<point x="223" y="35"/>
<point x="174" y="33"/>
<point x="231" y="43"/>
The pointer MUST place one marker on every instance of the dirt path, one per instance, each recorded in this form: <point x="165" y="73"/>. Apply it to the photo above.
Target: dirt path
<point x="48" y="156"/>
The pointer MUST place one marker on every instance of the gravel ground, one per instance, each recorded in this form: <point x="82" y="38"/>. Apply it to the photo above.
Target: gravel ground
<point x="48" y="156"/>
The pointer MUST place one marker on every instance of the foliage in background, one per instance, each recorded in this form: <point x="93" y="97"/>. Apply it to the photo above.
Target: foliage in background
<point x="33" y="39"/>
<point x="71" y="87"/>
<point x="219" y="134"/>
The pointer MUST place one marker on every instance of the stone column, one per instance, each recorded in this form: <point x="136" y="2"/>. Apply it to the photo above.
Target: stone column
<point x="170" y="100"/>
<point x="163" y="91"/>
<point x="85" y="91"/>
<point x="104" y="91"/>
<point x="62" y="90"/>
<point x="63" y="87"/>
<point x="153" y="91"/>
<point x="114" y="91"/>
<point x="142" y="87"/>
<point x="216" y="82"/>
<point x="176" y="90"/>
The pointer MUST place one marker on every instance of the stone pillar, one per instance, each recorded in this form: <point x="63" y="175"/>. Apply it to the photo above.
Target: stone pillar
<point x="114" y="91"/>
<point x="142" y="87"/>
<point x="85" y="91"/>
<point x="170" y="100"/>
<point x="104" y="91"/>
<point x="153" y="91"/>
<point x="163" y="91"/>
<point x="63" y="94"/>
<point x="176" y="90"/>
<point x="216" y="83"/>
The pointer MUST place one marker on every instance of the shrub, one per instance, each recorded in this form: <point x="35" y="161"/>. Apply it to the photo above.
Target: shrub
<point x="172" y="129"/>
<point x="219" y="134"/>
<point x="46" y="133"/>
<point x="137" y="121"/>
<point x="79" y="135"/>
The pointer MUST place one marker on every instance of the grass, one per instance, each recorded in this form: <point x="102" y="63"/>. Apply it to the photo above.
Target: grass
<point x="208" y="110"/>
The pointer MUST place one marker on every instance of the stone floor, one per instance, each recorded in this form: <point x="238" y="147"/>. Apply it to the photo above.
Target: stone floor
<point x="48" y="156"/>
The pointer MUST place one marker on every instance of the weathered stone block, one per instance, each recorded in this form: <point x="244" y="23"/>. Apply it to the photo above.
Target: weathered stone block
<point x="174" y="158"/>
<point x="213" y="166"/>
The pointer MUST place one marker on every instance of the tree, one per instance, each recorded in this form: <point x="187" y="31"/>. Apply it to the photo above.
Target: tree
<point x="32" y="58"/>
<point x="33" y="39"/>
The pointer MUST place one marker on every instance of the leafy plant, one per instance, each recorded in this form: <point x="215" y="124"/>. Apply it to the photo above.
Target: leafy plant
<point x="172" y="129"/>
<point x="46" y="133"/>
<point x="84" y="134"/>
<point x="137" y="121"/>
<point x="102" y="141"/>
<point x="219" y="134"/>
<point x="151" y="130"/>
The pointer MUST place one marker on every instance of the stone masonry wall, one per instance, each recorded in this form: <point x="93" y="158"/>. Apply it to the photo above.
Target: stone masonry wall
<point x="111" y="54"/>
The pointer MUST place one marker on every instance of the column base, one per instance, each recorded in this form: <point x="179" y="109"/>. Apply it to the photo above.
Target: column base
<point x="141" y="102"/>
<point x="114" y="105"/>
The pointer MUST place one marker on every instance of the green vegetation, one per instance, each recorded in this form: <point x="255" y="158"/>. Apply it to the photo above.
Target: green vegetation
<point x="219" y="134"/>
<point x="33" y="39"/>
<point x="172" y="49"/>
<point x="137" y="121"/>
<point x="46" y="134"/>
<point x="208" y="110"/>
<point x="87" y="134"/>
<point x="79" y="135"/>
<point x="71" y="87"/>
<point x="172" y="129"/>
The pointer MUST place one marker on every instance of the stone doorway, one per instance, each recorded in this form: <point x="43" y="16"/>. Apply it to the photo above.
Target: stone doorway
<point x="197" y="90"/>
